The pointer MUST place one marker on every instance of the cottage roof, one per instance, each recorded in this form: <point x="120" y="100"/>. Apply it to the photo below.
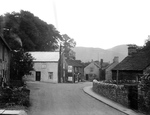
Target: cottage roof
<point x="76" y="63"/>
<point x="3" y="40"/>
<point x="45" y="56"/>
<point x="137" y="61"/>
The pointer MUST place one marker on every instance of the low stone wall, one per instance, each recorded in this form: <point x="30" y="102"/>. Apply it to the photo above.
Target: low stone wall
<point x="117" y="93"/>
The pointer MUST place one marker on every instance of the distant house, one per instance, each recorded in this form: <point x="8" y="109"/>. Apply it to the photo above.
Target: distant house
<point x="92" y="71"/>
<point x="45" y="67"/>
<point x="4" y="62"/>
<point x="134" y="64"/>
<point x="74" y="70"/>
<point x="108" y="72"/>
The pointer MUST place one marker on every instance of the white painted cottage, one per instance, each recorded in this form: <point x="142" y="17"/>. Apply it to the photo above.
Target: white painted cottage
<point x="45" y="67"/>
<point x="91" y="71"/>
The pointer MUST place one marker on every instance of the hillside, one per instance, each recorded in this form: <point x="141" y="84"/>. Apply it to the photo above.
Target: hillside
<point x="86" y="54"/>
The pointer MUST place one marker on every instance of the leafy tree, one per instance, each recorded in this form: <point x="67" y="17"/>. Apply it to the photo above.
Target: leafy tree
<point x="21" y="64"/>
<point x="68" y="43"/>
<point x="146" y="46"/>
<point x="35" y="34"/>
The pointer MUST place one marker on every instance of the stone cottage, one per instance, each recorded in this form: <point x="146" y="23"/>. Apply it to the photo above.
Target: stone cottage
<point x="94" y="70"/>
<point x="132" y="66"/>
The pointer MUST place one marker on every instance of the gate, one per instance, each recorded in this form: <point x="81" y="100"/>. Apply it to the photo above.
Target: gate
<point x="133" y="96"/>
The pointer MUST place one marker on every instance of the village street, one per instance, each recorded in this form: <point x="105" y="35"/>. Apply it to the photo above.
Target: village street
<point x="65" y="99"/>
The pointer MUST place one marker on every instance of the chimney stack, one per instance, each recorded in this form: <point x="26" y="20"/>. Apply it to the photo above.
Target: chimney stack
<point x="132" y="49"/>
<point x="116" y="59"/>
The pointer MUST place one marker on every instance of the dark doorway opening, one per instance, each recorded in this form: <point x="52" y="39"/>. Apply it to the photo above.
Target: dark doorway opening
<point x="87" y="77"/>
<point x="133" y="97"/>
<point x="38" y="75"/>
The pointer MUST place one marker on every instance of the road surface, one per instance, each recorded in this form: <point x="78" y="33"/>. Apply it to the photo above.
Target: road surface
<point x="65" y="99"/>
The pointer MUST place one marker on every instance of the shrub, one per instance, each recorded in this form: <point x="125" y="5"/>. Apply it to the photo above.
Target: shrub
<point x="17" y="96"/>
<point x="144" y="97"/>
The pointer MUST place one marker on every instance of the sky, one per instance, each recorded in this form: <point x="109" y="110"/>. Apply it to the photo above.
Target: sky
<point x="91" y="23"/>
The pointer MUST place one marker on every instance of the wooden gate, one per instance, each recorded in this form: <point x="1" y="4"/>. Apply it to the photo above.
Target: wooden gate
<point x="133" y="96"/>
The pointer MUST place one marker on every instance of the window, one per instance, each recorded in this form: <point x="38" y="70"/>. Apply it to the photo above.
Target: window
<point x="69" y="68"/>
<point x="50" y="75"/>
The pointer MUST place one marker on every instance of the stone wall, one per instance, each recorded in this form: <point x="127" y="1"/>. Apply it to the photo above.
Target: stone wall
<point x="117" y="93"/>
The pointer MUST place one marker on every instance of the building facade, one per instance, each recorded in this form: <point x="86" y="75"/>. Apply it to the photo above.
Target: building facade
<point x="74" y="70"/>
<point x="135" y="64"/>
<point x="45" y="67"/>
<point x="108" y="72"/>
<point x="92" y="71"/>
<point x="4" y="62"/>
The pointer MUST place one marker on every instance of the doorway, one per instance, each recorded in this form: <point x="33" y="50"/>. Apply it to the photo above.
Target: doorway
<point x="87" y="77"/>
<point x="38" y="75"/>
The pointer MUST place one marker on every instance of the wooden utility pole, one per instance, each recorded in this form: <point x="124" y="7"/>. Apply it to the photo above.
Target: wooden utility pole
<point x="60" y="64"/>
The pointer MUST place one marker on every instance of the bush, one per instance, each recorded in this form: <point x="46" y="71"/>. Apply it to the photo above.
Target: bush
<point x="17" y="96"/>
<point x="144" y="97"/>
<point x="21" y="97"/>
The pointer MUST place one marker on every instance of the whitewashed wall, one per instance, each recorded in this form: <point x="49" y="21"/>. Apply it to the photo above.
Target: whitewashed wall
<point x="44" y="68"/>
<point x="87" y="70"/>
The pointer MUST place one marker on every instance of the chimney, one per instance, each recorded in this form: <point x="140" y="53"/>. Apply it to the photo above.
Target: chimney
<point x="116" y="59"/>
<point x="132" y="49"/>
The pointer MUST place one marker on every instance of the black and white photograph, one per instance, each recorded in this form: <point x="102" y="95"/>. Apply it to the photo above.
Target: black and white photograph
<point x="75" y="57"/>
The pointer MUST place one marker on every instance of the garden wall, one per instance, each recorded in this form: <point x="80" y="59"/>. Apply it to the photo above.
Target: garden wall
<point x="117" y="93"/>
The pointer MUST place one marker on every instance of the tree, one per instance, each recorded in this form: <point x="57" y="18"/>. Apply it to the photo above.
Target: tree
<point x="68" y="43"/>
<point x="146" y="46"/>
<point x="32" y="33"/>
<point x="21" y="64"/>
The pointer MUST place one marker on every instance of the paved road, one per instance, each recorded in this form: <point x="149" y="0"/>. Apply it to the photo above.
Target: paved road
<point x="65" y="99"/>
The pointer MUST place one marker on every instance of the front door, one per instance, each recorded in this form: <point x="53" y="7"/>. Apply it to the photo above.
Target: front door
<point x="87" y="77"/>
<point x="38" y="75"/>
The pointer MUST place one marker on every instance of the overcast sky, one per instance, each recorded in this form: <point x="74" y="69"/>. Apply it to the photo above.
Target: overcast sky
<point x="92" y="23"/>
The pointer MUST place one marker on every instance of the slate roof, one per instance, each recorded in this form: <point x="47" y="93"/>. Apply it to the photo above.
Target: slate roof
<point x="45" y="56"/>
<point x="138" y="61"/>
<point x="76" y="63"/>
